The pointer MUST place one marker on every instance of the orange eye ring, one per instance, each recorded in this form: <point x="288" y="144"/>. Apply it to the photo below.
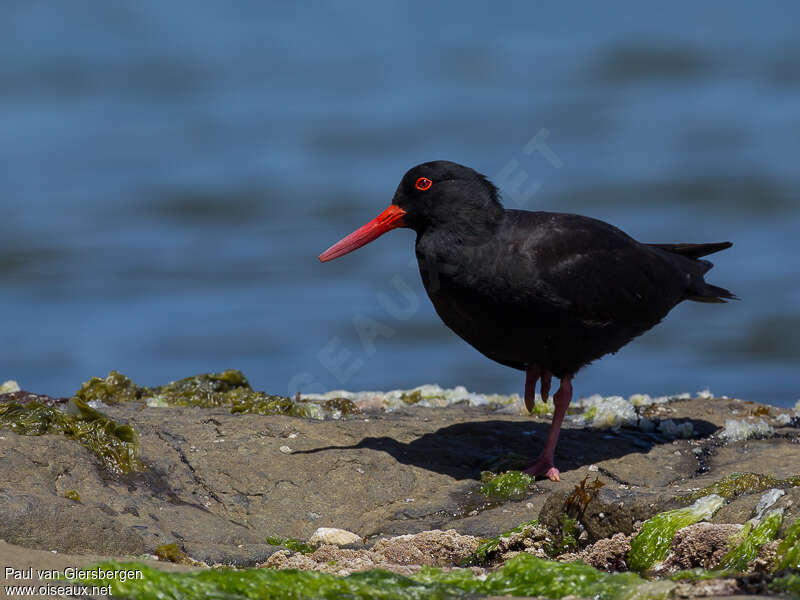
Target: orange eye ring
<point x="423" y="184"/>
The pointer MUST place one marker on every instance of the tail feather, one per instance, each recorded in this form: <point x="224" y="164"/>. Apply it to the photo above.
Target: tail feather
<point x="694" y="250"/>
<point x="701" y="291"/>
<point x="713" y="293"/>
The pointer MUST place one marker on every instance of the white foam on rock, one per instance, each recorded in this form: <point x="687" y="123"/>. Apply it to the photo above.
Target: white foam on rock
<point x="738" y="430"/>
<point x="596" y="411"/>
<point x="611" y="412"/>
<point x="769" y="498"/>
<point x="429" y="396"/>
<point x="9" y="387"/>
<point x="670" y="429"/>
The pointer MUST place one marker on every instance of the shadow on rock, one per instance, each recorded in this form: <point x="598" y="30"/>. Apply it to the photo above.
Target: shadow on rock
<point x="463" y="450"/>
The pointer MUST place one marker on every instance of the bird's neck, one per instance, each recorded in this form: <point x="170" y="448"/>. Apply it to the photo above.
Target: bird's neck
<point x="466" y="227"/>
<point x="448" y="255"/>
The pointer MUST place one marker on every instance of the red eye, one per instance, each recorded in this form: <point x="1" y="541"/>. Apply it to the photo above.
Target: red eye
<point x="423" y="183"/>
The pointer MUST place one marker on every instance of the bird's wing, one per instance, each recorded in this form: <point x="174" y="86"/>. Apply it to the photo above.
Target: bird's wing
<point x="587" y="269"/>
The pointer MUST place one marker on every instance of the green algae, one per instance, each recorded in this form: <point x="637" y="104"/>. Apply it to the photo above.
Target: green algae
<point x="259" y="403"/>
<point x="292" y="544"/>
<point x="211" y="390"/>
<point x="208" y="390"/>
<point x="231" y="389"/>
<point x="486" y="549"/>
<point x="523" y="575"/>
<point x="788" y="553"/>
<point x="568" y="538"/>
<point x="788" y="584"/>
<point x="412" y="397"/>
<point x="116" y="445"/>
<point x="344" y="406"/>
<point x="72" y="495"/>
<point x="416" y="396"/>
<point x="257" y="584"/>
<point x="173" y="553"/>
<point x="113" y="389"/>
<point x="542" y="408"/>
<point x="511" y="485"/>
<point x="226" y="381"/>
<point x="698" y="574"/>
<point x="651" y="545"/>
<point x="737" y="484"/>
<point x="526" y="575"/>
<point x="750" y="541"/>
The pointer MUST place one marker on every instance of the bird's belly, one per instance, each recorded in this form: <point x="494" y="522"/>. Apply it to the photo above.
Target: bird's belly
<point x="492" y="334"/>
<point x="556" y="342"/>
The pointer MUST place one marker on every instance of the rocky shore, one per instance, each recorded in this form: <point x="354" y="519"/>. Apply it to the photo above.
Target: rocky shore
<point x="205" y="471"/>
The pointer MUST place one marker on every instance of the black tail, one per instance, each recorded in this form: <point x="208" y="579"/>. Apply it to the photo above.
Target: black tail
<point x="713" y="293"/>
<point x="694" y="250"/>
<point x="702" y="291"/>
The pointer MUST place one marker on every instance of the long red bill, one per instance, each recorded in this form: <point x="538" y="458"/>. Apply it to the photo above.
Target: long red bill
<point x="389" y="219"/>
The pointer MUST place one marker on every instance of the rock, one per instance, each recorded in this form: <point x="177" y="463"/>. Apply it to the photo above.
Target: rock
<point x="48" y="523"/>
<point x="532" y="539"/>
<point x="608" y="554"/>
<point x="777" y="457"/>
<point x="700" y="545"/>
<point x="657" y="468"/>
<point x="242" y="555"/>
<point x="437" y="548"/>
<point x="738" y="511"/>
<point x="336" y="537"/>
<point x="714" y="588"/>
<point x="337" y="561"/>
<point x="790" y="502"/>
<point x="402" y="554"/>
<point x="21" y="558"/>
<point x="217" y="484"/>
<point x="611" y="511"/>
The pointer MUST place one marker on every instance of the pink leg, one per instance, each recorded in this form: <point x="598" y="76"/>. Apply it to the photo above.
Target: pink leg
<point x="531" y="376"/>
<point x="546" y="378"/>
<point x="543" y="466"/>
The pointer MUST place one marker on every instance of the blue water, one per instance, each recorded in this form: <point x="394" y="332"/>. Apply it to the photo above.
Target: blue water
<point x="171" y="170"/>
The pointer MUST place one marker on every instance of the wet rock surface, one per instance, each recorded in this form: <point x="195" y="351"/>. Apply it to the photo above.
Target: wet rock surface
<point x="218" y="484"/>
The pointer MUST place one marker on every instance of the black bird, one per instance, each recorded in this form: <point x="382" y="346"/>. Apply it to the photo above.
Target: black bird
<point x="546" y="293"/>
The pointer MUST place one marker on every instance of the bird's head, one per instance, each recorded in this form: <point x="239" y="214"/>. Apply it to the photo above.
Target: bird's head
<point x="431" y="194"/>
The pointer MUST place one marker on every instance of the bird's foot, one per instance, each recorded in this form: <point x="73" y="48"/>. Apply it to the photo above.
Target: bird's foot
<point x="544" y="468"/>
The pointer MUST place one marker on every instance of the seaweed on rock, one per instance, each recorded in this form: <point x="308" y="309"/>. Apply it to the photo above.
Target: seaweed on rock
<point x="750" y="541"/>
<point x="651" y="545"/>
<point x="736" y="484"/>
<point x="115" y="444"/>
<point x="523" y="575"/>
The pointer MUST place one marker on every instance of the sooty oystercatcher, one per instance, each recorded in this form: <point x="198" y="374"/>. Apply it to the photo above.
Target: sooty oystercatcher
<point x="546" y="293"/>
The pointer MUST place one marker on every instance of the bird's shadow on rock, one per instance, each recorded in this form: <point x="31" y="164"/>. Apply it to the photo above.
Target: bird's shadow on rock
<point x="463" y="450"/>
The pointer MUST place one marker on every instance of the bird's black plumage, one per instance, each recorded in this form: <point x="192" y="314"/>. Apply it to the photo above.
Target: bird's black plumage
<point x="543" y="292"/>
<point x="551" y="289"/>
